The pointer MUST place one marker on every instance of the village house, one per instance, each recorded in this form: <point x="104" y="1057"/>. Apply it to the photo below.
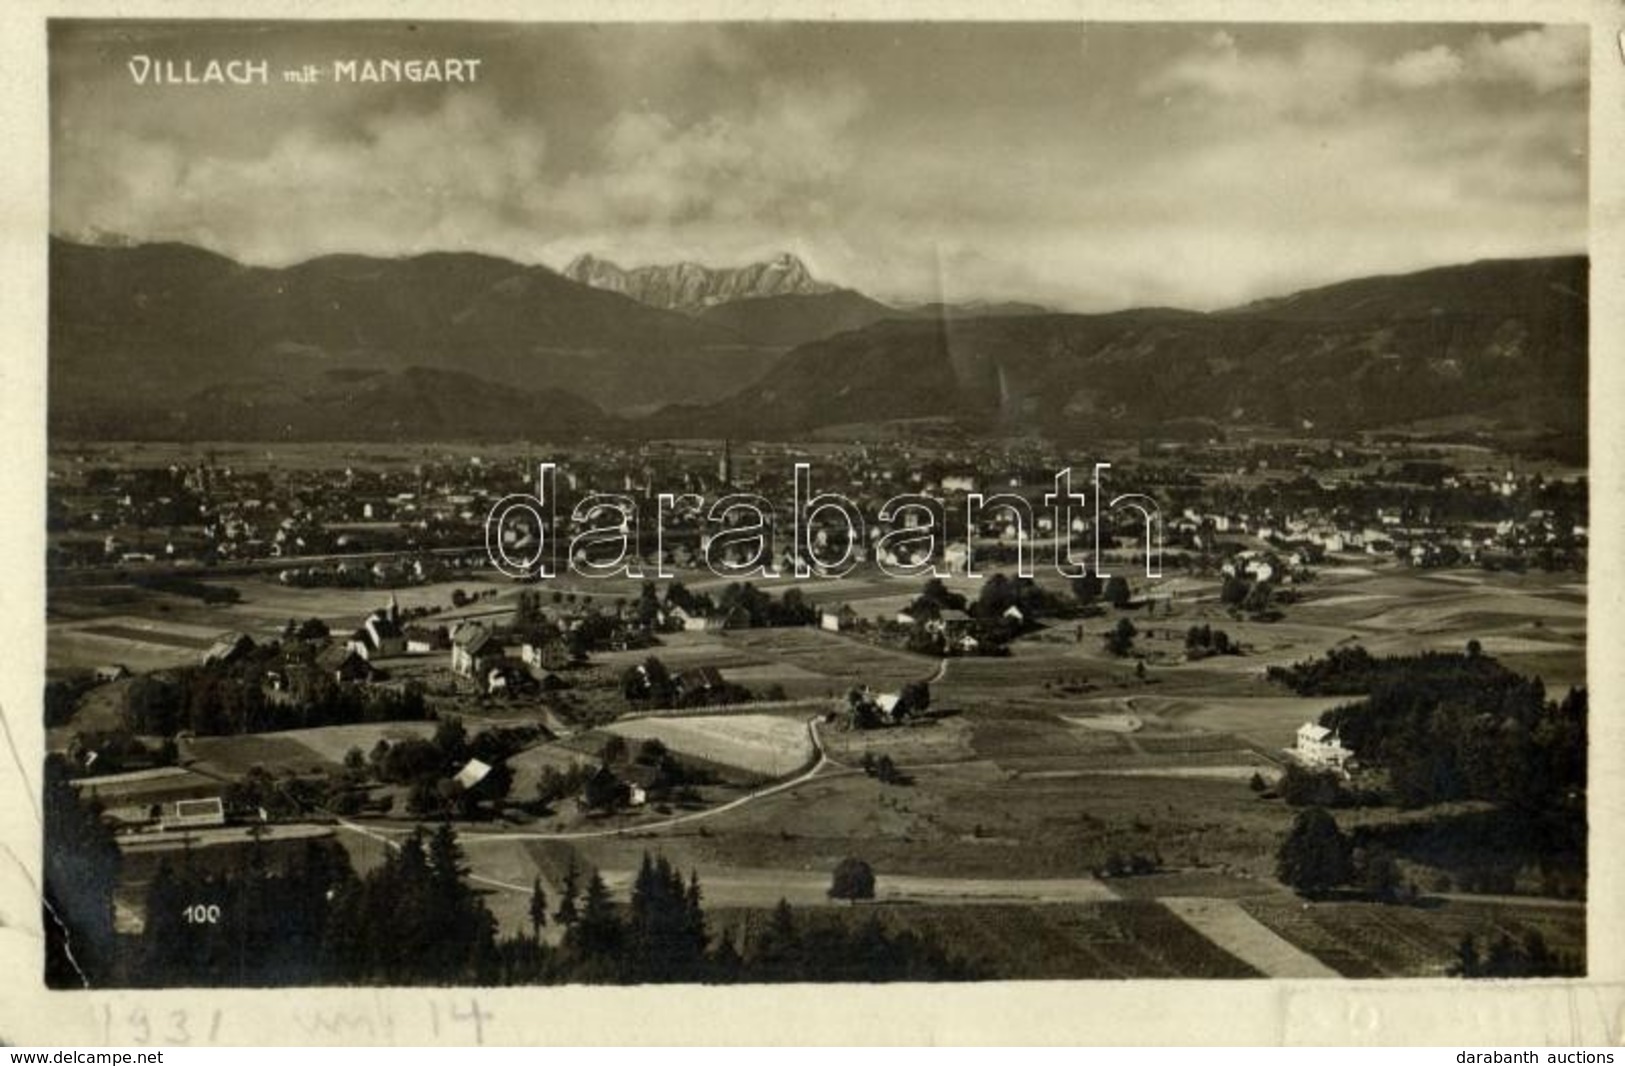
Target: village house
<point x="473" y="650"/>
<point x="544" y="653"/>
<point x="694" y="622"/>
<point x="345" y="665"/>
<point x="699" y="682"/>
<point x="1320" y="749"/>
<point x="423" y="640"/>
<point x="951" y="623"/>
<point x="228" y="648"/>
<point x="838" y="620"/>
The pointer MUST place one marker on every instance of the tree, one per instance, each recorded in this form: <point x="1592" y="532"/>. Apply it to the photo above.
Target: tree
<point x="598" y="934"/>
<point x="1117" y="592"/>
<point x="1377" y="873"/>
<point x="452" y="740"/>
<point x="914" y="698"/>
<point x="1120" y="639"/>
<point x="424" y="798"/>
<point x="566" y="915"/>
<point x="1314" y="857"/>
<point x="1258" y="598"/>
<point x="665" y="926"/>
<point x="1087" y="588"/>
<point x="615" y="750"/>
<point x="1234" y="591"/>
<point x="853" y="879"/>
<point x="538" y="909"/>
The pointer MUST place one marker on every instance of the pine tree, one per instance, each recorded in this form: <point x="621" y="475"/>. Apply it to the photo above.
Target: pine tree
<point x="776" y="956"/>
<point x="695" y="915"/>
<point x="567" y="914"/>
<point x="598" y="937"/>
<point x="661" y="937"/>
<point x="538" y="909"/>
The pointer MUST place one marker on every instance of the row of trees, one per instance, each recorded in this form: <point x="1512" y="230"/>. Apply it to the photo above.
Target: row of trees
<point x="223" y="699"/>
<point x="1203" y="641"/>
<point x="416" y="920"/>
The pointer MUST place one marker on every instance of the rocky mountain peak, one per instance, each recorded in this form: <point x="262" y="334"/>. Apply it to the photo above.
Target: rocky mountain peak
<point x="691" y="287"/>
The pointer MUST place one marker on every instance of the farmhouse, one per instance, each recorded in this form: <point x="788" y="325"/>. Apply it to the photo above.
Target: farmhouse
<point x="473" y="650"/>
<point x="699" y="681"/>
<point x="473" y="772"/>
<point x="692" y="622"/>
<point x="1320" y="748"/>
<point x="422" y="640"/>
<point x="227" y="648"/>
<point x="346" y="665"/>
<point x="842" y="618"/>
<point x="545" y="652"/>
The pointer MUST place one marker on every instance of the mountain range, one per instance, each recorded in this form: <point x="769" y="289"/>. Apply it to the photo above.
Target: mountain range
<point x="169" y="340"/>
<point x="690" y="287"/>
<point x="1495" y="343"/>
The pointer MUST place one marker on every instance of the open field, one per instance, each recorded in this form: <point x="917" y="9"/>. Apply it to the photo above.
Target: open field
<point x="143" y="787"/>
<point x="846" y="661"/>
<point x="332" y="742"/>
<point x="236" y="755"/>
<point x="1372" y="940"/>
<point x="148" y="630"/>
<point x="320" y="748"/>
<point x="1227" y="924"/>
<point x="770" y="745"/>
<point x="1272" y="721"/>
<point x="72" y="648"/>
<point x="1045" y="942"/>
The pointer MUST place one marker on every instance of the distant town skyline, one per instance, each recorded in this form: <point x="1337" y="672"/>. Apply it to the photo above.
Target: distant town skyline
<point x="1085" y="166"/>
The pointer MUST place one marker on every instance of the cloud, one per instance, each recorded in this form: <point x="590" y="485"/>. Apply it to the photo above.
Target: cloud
<point x="1320" y="76"/>
<point x="404" y="181"/>
<point x="466" y="174"/>
<point x="774" y="164"/>
<point x="1545" y="59"/>
<point x="1425" y="68"/>
<point x="1548" y="58"/>
<point x="1323" y="75"/>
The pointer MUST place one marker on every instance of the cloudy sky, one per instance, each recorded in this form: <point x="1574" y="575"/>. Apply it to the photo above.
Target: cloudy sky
<point x="1085" y="166"/>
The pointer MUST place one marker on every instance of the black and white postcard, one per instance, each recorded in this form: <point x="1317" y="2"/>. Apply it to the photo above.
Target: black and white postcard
<point x="768" y="499"/>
